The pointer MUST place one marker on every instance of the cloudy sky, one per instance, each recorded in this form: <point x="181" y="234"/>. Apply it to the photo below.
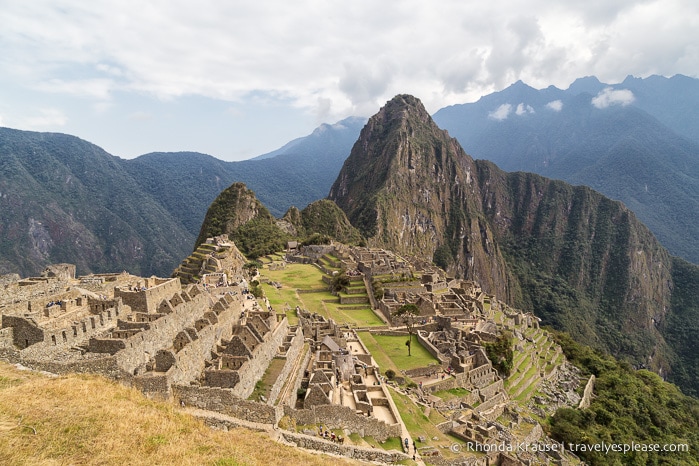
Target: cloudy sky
<point x="236" y="79"/>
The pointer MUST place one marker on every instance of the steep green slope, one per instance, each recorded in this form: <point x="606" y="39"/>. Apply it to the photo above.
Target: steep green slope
<point x="583" y="262"/>
<point x="66" y="200"/>
<point x="681" y="325"/>
<point x="629" y="407"/>
<point x="324" y="217"/>
<point x="237" y="213"/>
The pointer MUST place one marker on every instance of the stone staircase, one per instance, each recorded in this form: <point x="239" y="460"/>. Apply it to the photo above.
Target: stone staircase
<point x="201" y="261"/>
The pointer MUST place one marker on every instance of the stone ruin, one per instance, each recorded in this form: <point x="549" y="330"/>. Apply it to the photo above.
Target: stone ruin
<point x="341" y="378"/>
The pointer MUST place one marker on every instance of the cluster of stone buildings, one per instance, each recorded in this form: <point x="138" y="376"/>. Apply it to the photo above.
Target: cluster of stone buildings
<point x="342" y="383"/>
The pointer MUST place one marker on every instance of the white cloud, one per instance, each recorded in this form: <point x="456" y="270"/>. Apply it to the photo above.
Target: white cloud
<point x="501" y="113"/>
<point x="333" y="59"/>
<point x="91" y="88"/>
<point x="523" y="109"/>
<point x="354" y="53"/>
<point x="609" y="96"/>
<point x="555" y="105"/>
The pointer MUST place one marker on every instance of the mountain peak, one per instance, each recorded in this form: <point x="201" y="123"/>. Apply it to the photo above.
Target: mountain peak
<point x="588" y="84"/>
<point x="402" y="175"/>
<point x="402" y="107"/>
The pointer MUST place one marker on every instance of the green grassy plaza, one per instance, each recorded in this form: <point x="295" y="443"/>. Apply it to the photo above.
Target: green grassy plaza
<point x="303" y="286"/>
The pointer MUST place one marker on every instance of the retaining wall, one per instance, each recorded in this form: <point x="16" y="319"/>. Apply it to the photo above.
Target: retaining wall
<point x="343" y="417"/>
<point x="291" y="355"/>
<point x="223" y="401"/>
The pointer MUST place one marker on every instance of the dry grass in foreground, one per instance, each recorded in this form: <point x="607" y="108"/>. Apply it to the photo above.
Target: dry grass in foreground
<point x="86" y="419"/>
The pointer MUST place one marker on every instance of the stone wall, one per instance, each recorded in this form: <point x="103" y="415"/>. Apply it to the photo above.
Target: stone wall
<point x="35" y="340"/>
<point x="143" y="346"/>
<point x="343" y="417"/>
<point x="29" y="289"/>
<point x="446" y="384"/>
<point x="223" y="401"/>
<point x="298" y="381"/>
<point x="106" y="366"/>
<point x="254" y="369"/>
<point x="422" y="338"/>
<point x="291" y="355"/>
<point x="587" y="393"/>
<point x="149" y="299"/>
<point x="423" y="371"/>
<point x="190" y="360"/>
<point x="7" y="337"/>
<point x="349" y="451"/>
<point x="490" y="390"/>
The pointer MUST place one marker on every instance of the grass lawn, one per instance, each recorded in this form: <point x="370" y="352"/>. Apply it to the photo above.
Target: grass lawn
<point x="306" y="277"/>
<point x="297" y="276"/>
<point x="390" y="352"/>
<point x="452" y="393"/>
<point x="279" y="298"/>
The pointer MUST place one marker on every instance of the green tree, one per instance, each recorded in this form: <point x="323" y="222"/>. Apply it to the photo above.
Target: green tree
<point x="339" y="282"/>
<point x="500" y="353"/>
<point x="408" y="312"/>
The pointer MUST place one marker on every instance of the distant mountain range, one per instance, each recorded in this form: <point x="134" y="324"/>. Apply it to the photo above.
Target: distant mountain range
<point x="637" y="142"/>
<point x="66" y="200"/>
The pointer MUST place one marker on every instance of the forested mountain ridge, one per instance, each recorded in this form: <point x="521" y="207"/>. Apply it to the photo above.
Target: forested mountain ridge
<point x="66" y="200"/>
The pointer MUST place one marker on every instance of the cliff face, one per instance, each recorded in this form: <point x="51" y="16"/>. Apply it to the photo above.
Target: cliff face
<point x="409" y="187"/>
<point x="580" y="261"/>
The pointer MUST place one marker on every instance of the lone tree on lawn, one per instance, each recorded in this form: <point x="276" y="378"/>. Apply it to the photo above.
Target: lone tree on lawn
<point x="408" y="312"/>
